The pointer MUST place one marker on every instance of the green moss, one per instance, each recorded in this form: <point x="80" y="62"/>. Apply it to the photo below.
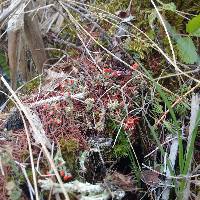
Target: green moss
<point x="112" y="6"/>
<point x="54" y="53"/>
<point x="175" y="20"/>
<point x="15" y="178"/>
<point x="135" y="46"/>
<point x="121" y="149"/>
<point x="190" y="5"/>
<point x="31" y="86"/>
<point x="72" y="52"/>
<point x="3" y="63"/>
<point x="13" y="191"/>
<point x="122" y="145"/>
<point x="69" y="32"/>
<point x="69" y="149"/>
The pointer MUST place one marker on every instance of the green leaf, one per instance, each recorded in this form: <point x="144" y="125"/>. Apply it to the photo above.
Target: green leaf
<point x="170" y="6"/>
<point x="187" y="50"/>
<point x="193" y="26"/>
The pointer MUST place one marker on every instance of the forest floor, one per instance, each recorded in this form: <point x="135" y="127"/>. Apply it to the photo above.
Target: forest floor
<point x="114" y="113"/>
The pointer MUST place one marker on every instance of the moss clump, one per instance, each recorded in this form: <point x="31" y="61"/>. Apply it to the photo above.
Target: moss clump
<point x="69" y="149"/>
<point x="3" y="63"/>
<point x="31" y="86"/>
<point x="135" y="46"/>
<point x="112" y="6"/>
<point x="14" y="179"/>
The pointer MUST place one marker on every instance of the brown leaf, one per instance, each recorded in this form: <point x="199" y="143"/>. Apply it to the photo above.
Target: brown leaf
<point x="150" y="177"/>
<point x="125" y="182"/>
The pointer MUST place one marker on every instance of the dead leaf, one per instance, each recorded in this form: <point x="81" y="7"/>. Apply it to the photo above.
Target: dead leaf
<point x="125" y="182"/>
<point x="150" y="177"/>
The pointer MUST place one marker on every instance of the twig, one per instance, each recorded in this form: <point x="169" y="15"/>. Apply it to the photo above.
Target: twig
<point x="157" y="148"/>
<point x="50" y="100"/>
